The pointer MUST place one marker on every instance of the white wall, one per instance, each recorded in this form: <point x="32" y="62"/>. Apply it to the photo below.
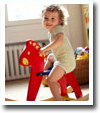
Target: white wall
<point x="24" y="32"/>
<point x="19" y="33"/>
<point x="75" y="24"/>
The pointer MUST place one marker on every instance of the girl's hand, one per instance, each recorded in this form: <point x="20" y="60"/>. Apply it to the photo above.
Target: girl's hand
<point x="46" y="53"/>
<point x="43" y="52"/>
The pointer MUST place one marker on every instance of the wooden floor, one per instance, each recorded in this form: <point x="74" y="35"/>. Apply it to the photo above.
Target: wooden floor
<point x="17" y="90"/>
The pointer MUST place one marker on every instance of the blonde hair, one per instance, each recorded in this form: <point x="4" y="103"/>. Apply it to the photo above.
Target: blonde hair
<point x="60" y="10"/>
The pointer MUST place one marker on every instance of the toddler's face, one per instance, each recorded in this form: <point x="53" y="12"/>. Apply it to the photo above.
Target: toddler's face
<point x="51" y="19"/>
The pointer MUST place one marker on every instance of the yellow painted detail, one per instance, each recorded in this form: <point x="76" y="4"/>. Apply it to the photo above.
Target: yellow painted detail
<point x="37" y="47"/>
<point x="34" y="44"/>
<point x="30" y="42"/>
<point x="40" y="55"/>
<point x="28" y="53"/>
<point x="25" y="61"/>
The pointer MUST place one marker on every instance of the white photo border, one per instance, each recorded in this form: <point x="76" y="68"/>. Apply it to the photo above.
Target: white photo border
<point x="2" y="54"/>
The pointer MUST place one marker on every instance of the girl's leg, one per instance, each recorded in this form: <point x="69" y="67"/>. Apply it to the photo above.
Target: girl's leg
<point x="56" y="73"/>
<point x="48" y="64"/>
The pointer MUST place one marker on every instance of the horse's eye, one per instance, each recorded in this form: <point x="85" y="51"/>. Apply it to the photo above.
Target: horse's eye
<point x="28" y="52"/>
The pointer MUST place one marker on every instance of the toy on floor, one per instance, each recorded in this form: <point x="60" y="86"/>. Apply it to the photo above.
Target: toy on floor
<point x="31" y="57"/>
<point x="81" y="53"/>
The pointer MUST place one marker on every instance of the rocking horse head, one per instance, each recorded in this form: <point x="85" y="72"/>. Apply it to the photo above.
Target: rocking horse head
<point x="30" y="55"/>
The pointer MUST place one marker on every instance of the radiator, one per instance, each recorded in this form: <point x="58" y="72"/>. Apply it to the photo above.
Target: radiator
<point x="13" y="70"/>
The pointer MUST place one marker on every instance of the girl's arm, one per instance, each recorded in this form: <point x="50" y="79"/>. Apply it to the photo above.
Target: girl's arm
<point x="56" y="43"/>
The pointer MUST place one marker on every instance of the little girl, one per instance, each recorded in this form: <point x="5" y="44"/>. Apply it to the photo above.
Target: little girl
<point x="62" y="52"/>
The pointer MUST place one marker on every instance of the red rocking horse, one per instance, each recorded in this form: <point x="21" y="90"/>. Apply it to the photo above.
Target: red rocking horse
<point x="31" y="57"/>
